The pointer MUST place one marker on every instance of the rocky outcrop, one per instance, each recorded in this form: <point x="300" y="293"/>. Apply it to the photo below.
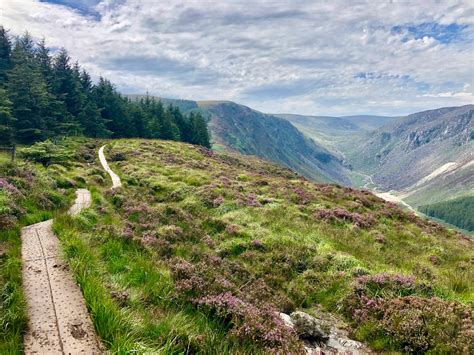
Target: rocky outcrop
<point x="321" y="336"/>
<point x="307" y="327"/>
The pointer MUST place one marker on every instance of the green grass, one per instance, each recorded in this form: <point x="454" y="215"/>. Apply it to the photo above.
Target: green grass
<point x="5" y="157"/>
<point x="306" y="261"/>
<point x="255" y="221"/>
<point x="148" y="320"/>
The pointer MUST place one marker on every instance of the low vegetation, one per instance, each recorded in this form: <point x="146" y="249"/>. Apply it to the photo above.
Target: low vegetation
<point x="458" y="212"/>
<point x="198" y="251"/>
<point x="217" y="244"/>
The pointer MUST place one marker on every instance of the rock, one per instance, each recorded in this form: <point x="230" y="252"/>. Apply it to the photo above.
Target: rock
<point x="307" y="327"/>
<point x="287" y="320"/>
<point x="342" y="344"/>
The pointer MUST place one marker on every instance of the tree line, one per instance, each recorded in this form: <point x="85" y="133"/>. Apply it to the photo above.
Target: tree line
<point x="44" y="96"/>
<point x="458" y="211"/>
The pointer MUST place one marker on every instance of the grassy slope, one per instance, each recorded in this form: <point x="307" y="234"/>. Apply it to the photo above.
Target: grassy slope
<point x="183" y="206"/>
<point x="187" y="217"/>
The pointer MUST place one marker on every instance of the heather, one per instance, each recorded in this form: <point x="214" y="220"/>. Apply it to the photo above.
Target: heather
<point x="199" y="251"/>
<point x="226" y="242"/>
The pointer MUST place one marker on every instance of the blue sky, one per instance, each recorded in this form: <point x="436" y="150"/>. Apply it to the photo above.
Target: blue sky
<point x="303" y="56"/>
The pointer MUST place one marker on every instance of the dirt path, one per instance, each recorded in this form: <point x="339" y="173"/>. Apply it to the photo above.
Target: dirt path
<point x="58" y="319"/>
<point x="115" y="178"/>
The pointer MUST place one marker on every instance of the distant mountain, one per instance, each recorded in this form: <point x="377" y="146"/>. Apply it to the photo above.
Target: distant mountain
<point x="368" y="122"/>
<point x="427" y="156"/>
<point x="251" y="132"/>
<point x="334" y="132"/>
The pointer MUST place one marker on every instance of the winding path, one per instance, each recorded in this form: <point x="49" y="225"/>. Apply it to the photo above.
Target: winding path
<point x="115" y="178"/>
<point x="58" y="319"/>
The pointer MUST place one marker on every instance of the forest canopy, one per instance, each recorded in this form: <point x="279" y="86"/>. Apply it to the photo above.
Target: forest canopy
<point x="458" y="212"/>
<point x="46" y="96"/>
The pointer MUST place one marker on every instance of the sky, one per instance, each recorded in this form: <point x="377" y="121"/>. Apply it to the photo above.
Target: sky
<point x="310" y="57"/>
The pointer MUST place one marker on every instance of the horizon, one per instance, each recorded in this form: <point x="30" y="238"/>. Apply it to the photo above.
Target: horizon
<point x="297" y="113"/>
<point x="380" y="59"/>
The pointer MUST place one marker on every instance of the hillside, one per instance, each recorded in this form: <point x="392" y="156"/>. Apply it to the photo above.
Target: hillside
<point x="251" y="132"/>
<point x="426" y="156"/>
<point x="201" y="249"/>
<point x="247" y="131"/>
<point x="334" y="132"/>
<point x="457" y="212"/>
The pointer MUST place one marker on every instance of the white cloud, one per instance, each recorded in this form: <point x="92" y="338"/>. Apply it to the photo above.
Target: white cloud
<point x="276" y="56"/>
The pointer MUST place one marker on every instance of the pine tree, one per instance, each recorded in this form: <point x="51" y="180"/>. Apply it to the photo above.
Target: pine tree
<point x="200" y="134"/>
<point x="92" y="122"/>
<point x="42" y="97"/>
<point x="28" y="93"/>
<point x="169" y="129"/>
<point x="6" y="119"/>
<point x="44" y="59"/>
<point x="112" y="108"/>
<point x="67" y="86"/>
<point x="5" y="54"/>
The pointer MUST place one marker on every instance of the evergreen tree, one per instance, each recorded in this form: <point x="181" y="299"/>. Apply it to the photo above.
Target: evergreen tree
<point x="43" y="97"/>
<point x="200" y="134"/>
<point x="44" y="60"/>
<point x="5" y="54"/>
<point x="169" y="129"/>
<point x="6" y="119"/>
<point x="138" y="119"/>
<point x="28" y="93"/>
<point x="155" y="111"/>
<point x="67" y="86"/>
<point x="112" y="109"/>
<point x="92" y="122"/>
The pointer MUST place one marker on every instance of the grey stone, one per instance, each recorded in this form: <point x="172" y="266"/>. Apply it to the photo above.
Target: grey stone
<point x="307" y="327"/>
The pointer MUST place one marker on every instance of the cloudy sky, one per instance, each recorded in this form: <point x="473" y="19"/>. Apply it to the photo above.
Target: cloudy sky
<point x="312" y="57"/>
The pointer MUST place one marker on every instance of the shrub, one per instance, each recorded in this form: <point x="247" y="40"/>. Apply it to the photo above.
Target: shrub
<point x="339" y="214"/>
<point x="46" y="153"/>
<point x="405" y="311"/>
<point x="429" y="324"/>
<point x="213" y="285"/>
<point x="252" y="323"/>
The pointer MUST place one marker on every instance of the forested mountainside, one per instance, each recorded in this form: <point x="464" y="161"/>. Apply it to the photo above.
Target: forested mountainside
<point x="458" y="212"/>
<point x="247" y="131"/>
<point x="46" y="96"/>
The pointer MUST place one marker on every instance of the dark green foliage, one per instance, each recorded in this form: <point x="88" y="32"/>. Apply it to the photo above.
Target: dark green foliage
<point x="5" y="53"/>
<point x="46" y="153"/>
<point x="6" y="119"/>
<point x="47" y="97"/>
<point x="458" y="212"/>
